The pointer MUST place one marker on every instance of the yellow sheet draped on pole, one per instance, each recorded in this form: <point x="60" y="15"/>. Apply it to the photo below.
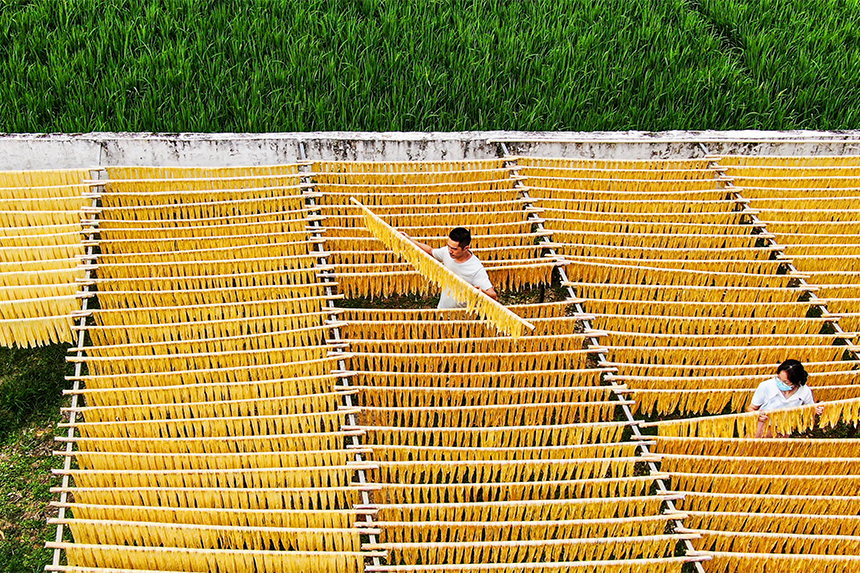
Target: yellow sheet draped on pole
<point x="434" y="271"/>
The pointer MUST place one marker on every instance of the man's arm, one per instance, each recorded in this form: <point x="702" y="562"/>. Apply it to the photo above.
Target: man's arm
<point x="490" y="292"/>
<point x="481" y="281"/>
<point x="424" y="247"/>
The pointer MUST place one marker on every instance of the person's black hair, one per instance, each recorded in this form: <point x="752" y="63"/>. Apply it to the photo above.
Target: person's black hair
<point x="462" y="236"/>
<point x="794" y="371"/>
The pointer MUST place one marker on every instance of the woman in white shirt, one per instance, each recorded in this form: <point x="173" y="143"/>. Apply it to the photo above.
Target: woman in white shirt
<point x="787" y="389"/>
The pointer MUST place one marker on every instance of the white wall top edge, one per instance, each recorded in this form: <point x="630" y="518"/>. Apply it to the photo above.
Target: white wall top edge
<point x="59" y="150"/>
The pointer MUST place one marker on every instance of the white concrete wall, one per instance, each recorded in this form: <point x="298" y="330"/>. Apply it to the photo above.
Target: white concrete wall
<point x="56" y="151"/>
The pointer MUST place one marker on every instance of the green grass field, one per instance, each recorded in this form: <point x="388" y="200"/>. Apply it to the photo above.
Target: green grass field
<point x="216" y="66"/>
<point x="31" y="383"/>
<point x="542" y="65"/>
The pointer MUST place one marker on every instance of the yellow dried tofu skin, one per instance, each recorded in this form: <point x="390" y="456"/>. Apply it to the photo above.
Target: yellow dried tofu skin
<point x="40" y="250"/>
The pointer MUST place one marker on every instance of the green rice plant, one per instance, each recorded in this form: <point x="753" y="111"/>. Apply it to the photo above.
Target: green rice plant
<point x="803" y="54"/>
<point x="411" y="65"/>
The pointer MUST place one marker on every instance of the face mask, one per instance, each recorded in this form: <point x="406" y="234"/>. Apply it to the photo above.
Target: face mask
<point x="783" y="386"/>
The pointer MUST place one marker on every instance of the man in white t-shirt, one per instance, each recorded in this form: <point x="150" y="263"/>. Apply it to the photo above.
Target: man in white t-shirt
<point x="457" y="256"/>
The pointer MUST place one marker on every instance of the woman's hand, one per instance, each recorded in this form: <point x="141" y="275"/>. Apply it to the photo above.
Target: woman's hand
<point x="761" y="426"/>
<point x="819" y="410"/>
